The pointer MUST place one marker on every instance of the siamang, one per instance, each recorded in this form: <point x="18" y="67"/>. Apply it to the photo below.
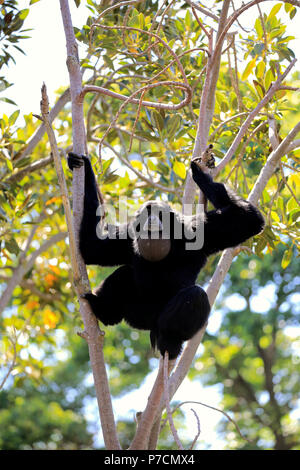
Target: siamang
<point x="155" y="286"/>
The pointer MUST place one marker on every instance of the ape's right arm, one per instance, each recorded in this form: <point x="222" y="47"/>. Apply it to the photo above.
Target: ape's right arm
<point x="232" y="222"/>
<point x="107" y="250"/>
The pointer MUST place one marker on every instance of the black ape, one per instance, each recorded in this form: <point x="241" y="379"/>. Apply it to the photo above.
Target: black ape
<point x="154" y="289"/>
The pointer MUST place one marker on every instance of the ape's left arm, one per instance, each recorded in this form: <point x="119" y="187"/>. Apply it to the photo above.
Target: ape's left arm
<point x="234" y="220"/>
<point x="110" y="249"/>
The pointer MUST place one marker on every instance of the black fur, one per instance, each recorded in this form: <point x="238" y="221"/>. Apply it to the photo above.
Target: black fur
<point x="161" y="296"/>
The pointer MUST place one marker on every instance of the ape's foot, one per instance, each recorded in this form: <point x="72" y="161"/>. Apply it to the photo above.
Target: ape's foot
<point x="170" y="344"/>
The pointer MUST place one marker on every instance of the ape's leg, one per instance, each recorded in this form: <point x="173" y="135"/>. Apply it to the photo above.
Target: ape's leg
<point x="110" y="300"/>
<point x="182" y="317"/>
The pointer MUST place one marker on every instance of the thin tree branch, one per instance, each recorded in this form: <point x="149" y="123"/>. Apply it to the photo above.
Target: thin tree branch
<point x="197" y="19"/>
<point x="148" y="417"/>
<point x="224" y="123"/>
<point x="93" y="335"/>
<point x="274" y="139"/>
<point x="271" y="165"/>
<point x="250" y="118"/>
<point x="203" y="10"/>
<point x="243" y="149"/>
<point x="62" y="184"/>
<point x="13" y="361"/>
<point x="293" y="145"/>
<point x="207" y="105"/>
<point x="241" y="10"/>
<point x="37" y="136"/>
<point x="234" y="73"/>
<point x="288" y="186"/>
<point x="14" y="342"/>
<point x="25" y="266"/>
<point x="215" y="64"/>
<point x="273" y="136"/>
<point x="215" y="409"/>
<point x="150" y="104"/>
<point x="153" y="35"/>
<point x="49" y="298"/>
<point x="198" y="429"/>
<point x="263" y="27"/>
<point x="139" y="174"/>
<point x="154" y="435"/>
<point x="32" y="168"/>
<point x="167" y="402"/>
<point x="150" y="414"/>
<point x="117" y="128"/>
<point x="225" y="261"/>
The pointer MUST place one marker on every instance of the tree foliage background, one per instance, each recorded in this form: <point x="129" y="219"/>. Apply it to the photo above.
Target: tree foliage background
<point x="254" y="353"/>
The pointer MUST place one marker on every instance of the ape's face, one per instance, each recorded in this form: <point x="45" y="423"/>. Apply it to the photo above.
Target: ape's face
<point x="152" y="223"/>
<point x="153" y="218"/>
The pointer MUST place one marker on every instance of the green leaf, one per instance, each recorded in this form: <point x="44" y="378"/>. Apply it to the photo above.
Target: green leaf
<point x="22" y="162"/>
<point x="276" y="32"/>
<point x="287" y="257"/>
<point x="274" y="10"/>
<point x="110" y="177"/>
<point x="151" y="165"/>
<point x="261" y="244"/>
<point x="258" y="28"/>
<point x="23" y="13"/>
<point x="268" y="234"/>
<point x="142" y="20"/>
<point x="279" y="94"/>
<point x="136" y="164"/>
<point x="288" y="7"/>
<point x="179" y="25"/>
<point x="12" y="246"/>
<point x="88" y="66"/>
<point x="179" y="169"/>
<point x="260" y="69"/>
<point x="13" y="117"/>
<point x="173" y="125"/>
<point x="134" y="21"/>
<point x="275" y="216"/>
<point x="295" y="215"/>
<point x="7" y="100"/>
<point x="33" y="1"/>
<point x="152" y="154"/>
<point x="147" y="136"/>
<point x="2" y="213"/>
<point x="224" y="106"/>
<point x="157" y="120"/>
<point x="258" y="49"/>
<point x="106" y="164"/>
<point x="9" y="165"/>
<point x="108" y="62"/>
<point x="269" y="79"/>
<point x="259" y="88"/>
<point x="250" y="66"/>
<point x="188" y="19"/>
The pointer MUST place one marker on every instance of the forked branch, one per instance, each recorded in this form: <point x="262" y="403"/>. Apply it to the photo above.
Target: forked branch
<point x="224" y="264"/>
